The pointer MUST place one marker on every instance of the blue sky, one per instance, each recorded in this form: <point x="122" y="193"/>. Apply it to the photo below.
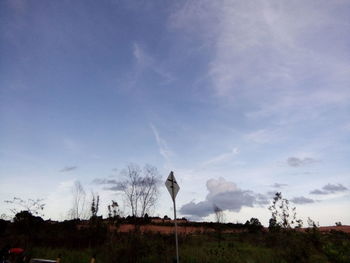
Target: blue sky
<point x="239" y="98"/>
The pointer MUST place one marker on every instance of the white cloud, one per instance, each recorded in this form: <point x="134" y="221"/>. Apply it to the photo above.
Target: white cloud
<point x="217" y="186"/>
<point x="59" y="201"/>
<point x="225" y="195"/>
<point x="146" y="61"/>
<point x="224" y="157"/>
<point x="277" y="55"/>
<point x="162" y="146"/>
<point x="263" y="136"/>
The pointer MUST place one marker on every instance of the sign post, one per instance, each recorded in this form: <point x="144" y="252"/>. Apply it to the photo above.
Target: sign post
<point x="173" y="189"/>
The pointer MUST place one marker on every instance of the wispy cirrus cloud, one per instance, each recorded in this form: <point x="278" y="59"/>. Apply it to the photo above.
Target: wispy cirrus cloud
<point x="264" y="136"/>
<point x="146" y="62"/>
<point x="164" y="150"/>
<point x="226" y="156"/>
<point x="264" y="52"/>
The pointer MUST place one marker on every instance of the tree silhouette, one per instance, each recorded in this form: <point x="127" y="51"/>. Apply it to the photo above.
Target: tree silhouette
<point x="283" y="216"/>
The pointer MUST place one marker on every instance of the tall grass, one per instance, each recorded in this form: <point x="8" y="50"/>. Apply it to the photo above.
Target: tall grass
<point x="229" y="248"/>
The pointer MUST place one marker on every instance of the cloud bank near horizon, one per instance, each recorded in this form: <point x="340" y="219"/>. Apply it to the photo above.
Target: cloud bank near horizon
<point x="225" y="195"/>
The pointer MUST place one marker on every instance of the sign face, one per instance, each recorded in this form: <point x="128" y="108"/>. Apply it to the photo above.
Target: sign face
<point x="172" y="185"/>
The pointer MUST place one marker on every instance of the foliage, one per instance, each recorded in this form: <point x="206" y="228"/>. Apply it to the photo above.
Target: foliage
<point x="113" y="210"/>
<point x="337" y="247"/>
<point x="3" y="226"/>
<point x="288" y="246"/>
<point x="311" y="223"/>
<point x="254" y="225"/>
<point x="283" y="216"/>
<point x="78" y="240"/>
<point x="95" y="205"/>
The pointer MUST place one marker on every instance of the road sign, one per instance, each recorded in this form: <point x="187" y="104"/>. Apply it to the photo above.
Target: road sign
<point x="173" y="189"/>
<point x="172" y="185"/>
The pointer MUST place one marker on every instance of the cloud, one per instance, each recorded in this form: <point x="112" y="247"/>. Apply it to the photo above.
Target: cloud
<point x="221" y="157"/>
<point x="162" y="145"/>
<point x="201" y="209"/>
<point x="145" y="61"/>
<point x="333" y="188"/>
<point x="225" y="195"/>
<point x="68" y="169"/>
<point x="57" y="200"/>
<point x="116" y="187"/>
<point x="279" y="56"/>
<point x="298" y="162"/>
<point x="263" y="136"/>
<point x="277" y="185"/>
<point x="319" y="192"/>
<point x="271" y="194"/>
<point x="330" y="189"/>
<point x="71" y="145"/>
<point x="109" y="184"/>
<point x="104" y="181"/>
<point x="302" y="200"/>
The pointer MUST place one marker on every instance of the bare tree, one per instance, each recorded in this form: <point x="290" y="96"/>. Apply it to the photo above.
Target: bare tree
<point x="149" y="189"/>
<point x="140" y="188"/>
<point x="33" y="206"/>
<point x="219" y="214"/>
<point x="78" y="210"/>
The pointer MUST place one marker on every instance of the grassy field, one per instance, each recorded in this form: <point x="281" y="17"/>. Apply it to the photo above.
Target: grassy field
<point x="75" y="244"/>
<point x="240" y="247"/>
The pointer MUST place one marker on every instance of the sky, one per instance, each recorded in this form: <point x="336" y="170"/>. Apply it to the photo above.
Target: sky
<point x="241" y="99"/>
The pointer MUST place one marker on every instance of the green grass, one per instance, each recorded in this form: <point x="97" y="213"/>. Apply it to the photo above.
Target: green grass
<point x="232" y="248"/>
<point x="245" y="247"/>
<point x="67" y="255"/>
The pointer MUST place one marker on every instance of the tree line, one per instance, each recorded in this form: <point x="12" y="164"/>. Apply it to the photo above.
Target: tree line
<point x="140" y="188"/>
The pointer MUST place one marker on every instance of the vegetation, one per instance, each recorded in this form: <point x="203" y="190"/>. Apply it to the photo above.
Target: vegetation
<point x="33" y="206"/>
<point x="140" y="188"/>
<point x="77" y="241"/>
<point x="282" y="215"/>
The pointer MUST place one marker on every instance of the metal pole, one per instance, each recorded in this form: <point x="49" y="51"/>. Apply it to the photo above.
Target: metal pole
<point x="177" y="244"/>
